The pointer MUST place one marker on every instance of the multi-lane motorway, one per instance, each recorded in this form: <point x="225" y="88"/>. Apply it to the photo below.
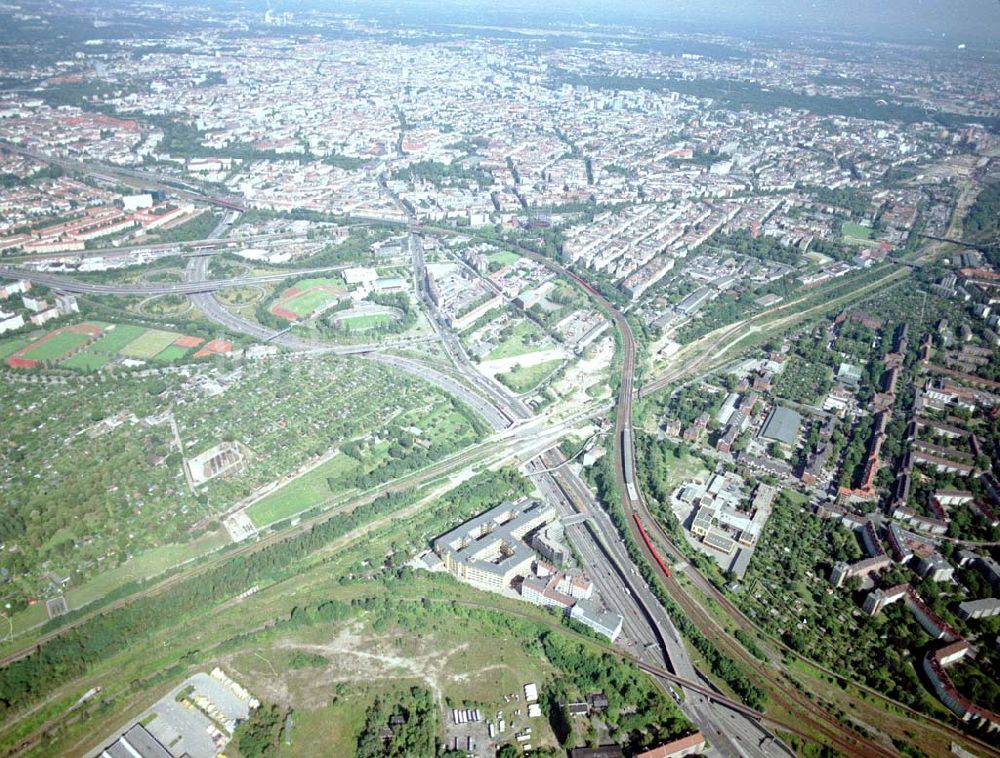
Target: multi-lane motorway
<point x="192" y="286"/>
<point x="649" y="634"/>
<point x="647" y="629"/>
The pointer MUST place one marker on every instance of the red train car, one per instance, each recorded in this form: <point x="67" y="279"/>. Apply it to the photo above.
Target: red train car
<point x="649" y="544"/>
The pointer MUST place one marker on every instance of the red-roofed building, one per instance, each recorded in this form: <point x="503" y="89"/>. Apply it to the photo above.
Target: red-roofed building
<point x="693" y="744"/>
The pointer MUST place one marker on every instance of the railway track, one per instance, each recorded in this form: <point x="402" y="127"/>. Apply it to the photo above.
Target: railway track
<point x="406" y="483"/>
<point x="747" y="625"/>
<point x="795" y="707"/>
<point x="798" y="708"/>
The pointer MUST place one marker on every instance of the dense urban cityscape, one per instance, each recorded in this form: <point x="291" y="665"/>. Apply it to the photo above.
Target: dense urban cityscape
<point x="395" y="380"/>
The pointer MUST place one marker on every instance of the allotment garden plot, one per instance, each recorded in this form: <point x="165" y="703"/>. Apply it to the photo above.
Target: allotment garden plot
<point x="319" y="428"/>
<point x="348" y="424"/>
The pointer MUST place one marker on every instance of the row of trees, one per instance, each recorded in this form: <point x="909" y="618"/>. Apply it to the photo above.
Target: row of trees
<point x="719" y="664"/>
<point x="413" y="733"/>
<point x="74" y="652"/>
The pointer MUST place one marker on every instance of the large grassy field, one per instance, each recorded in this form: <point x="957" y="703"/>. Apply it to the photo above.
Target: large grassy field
<point x="856" y="234"/>
<point x="11" y="346"/>
<point x="86" y="360"/>
<point x="313" y="294"/>
<point x="148" y="564"/>
<point x="171" y="353"/>
<point x="149" y="344"/>
<point x="525" y="378"/>
<point x="307" y="302"/>
<point x="503" y="257"/>
<point x="520" y="341"/>
<point x="114" y="339"/>
<point x="55" y="346"/>
<point x="302" y="493"/>
<point x="127" y="340"/>
<point x="366" y="321"/>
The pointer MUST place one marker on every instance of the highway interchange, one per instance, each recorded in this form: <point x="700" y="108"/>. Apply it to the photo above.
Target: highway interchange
<point x="648" y="633"/>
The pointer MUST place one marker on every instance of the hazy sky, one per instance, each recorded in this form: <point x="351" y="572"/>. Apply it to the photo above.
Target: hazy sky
<point x="945" y="20"/>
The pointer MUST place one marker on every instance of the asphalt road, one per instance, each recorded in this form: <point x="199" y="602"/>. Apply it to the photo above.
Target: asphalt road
<point x="191" y="286"/>
<point x="647" y="629"/>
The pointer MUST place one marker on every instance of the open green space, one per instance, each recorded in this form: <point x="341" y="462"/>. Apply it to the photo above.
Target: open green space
<point x="323" y="281"/>
<point x="11" y="346"/>
<point x="143" y="566"/>
<point x="526" y="378"/>
<point x="94" y="486"/>
<point x="148" y="344"/>
<point x="335" y="632"/>
<point x="171" y="353"/>
<point x="518" y="338"/>
<point x="366" y="321"/>
<point x="309" y="490"/>
<point x="313" y="294"/>
<point x="30" y="617"/>
<point x="503" y="257"/>
<point x="57" y="345"/>
<point x="115" y="338"/>
<point x="307" y="302"/>
<point x="86" y="360"/>
<point x="856" y="234"/>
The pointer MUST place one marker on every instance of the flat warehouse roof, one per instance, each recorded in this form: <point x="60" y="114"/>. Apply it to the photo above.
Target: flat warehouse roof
<point x="782" y="425"/>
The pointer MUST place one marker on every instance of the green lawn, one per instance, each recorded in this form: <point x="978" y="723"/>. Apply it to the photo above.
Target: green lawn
<point x="685" y="469"/>
<point x="149" y="344"/>
<point x="114" y="339"/>
<point x="86" y="360"/>
<point x="323" y="281"/>
<point x="517" y="342"/>
<point x="523" y="379"/>
<point x="171" y="353"/>
<point x="99" y="352"/>
<point x="302" y="493"/>
<point x="55" y="346"/>
<point x="148" y="564"/>
<point x="504" y="257"/>
<point x="307" y="302"/>
<point x="29" y="617"/>
<point x="11" y="346"/>
<point x="857" y="234"/>
<point x="365" y="322"/>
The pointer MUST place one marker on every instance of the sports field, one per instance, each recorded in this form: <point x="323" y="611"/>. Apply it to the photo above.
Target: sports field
<point x="504" y="257"/>
<point x="115" y="338"/>
<point x="86" y="360"/>
<point x="58" y="343"/>
<point x="171" y="353"/>
<point x="307" y="297"/>
<point x="856" y="234"/>
<point x="11" y="346"/>
<point x="149" y="344"/>
<point x="368" y="321"/>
